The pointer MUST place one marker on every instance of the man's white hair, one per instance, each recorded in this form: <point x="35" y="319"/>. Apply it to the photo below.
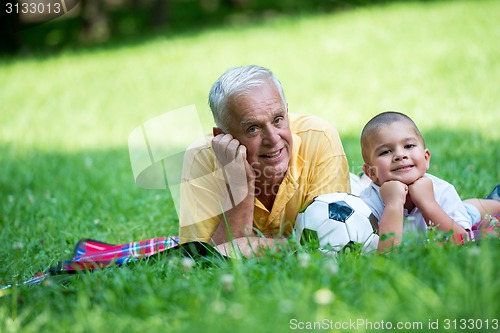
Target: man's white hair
<point x="234" y="82"/>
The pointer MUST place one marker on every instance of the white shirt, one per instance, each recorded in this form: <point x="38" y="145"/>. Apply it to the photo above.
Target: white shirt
<point x="445" y="194"/>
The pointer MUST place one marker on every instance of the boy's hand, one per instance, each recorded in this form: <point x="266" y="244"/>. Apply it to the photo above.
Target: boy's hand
<point x="393" y="192"/>
<point x="422" y="192"/>
<point x="422" y="195"/>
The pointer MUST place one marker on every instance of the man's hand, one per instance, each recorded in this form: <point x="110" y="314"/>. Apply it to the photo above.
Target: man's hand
<point x="233" y="156"/>
<point x="252" y="246"/>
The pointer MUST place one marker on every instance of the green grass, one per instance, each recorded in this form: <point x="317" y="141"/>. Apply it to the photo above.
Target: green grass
<point x="65" y="171"/>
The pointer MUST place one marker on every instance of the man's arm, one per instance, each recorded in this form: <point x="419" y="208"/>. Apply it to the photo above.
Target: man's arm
<point x="236" y="222"/>
<point x="240" y="178"/>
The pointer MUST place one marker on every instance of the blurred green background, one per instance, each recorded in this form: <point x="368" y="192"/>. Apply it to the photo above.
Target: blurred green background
<point x="90" y="22"/>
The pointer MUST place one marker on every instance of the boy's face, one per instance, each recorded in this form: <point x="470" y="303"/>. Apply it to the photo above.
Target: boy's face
<point x="396" y="152"/>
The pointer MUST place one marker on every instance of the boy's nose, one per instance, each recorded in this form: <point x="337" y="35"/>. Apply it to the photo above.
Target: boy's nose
<point x="400" y="155"/>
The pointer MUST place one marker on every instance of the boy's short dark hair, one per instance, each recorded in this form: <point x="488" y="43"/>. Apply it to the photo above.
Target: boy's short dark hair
<point x="384" y="119"/>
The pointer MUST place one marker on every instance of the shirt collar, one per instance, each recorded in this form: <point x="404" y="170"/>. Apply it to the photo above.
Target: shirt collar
<point x="296" y="163"/>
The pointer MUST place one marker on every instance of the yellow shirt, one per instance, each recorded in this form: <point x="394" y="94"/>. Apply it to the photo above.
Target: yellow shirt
<point x="317" y="165"/>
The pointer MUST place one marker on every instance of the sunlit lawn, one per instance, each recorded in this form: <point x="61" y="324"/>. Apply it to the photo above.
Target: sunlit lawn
<point x="65" y="172"/>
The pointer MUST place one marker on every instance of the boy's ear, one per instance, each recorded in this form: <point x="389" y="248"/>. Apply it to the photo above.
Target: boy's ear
<point x="427" y="157"/>
<point x="370" y="171"/>
<point x="216" y="131"/>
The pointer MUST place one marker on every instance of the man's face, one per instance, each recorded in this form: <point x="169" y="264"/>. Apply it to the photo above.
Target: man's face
<point x="396" y="153"/>
<point x="259" y="121"/>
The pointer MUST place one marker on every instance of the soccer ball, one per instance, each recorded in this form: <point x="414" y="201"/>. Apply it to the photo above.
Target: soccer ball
<point x="337" y="221"/>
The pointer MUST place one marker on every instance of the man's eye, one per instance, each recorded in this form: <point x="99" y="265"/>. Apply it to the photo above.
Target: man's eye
<point x="252" y="129"/>
<point x="278" y="120"/>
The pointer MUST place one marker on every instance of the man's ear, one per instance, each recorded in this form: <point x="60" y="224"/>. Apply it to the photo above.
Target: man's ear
<point x="216" y="131"/>
<point x="370" y="171"/>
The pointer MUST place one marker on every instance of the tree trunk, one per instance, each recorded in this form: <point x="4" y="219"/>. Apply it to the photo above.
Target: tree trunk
<point x="95" y="21"/>
<point x="159" y="16"/>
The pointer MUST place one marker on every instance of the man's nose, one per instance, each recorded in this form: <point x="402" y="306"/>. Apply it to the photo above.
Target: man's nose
<point x="271" y="136"/>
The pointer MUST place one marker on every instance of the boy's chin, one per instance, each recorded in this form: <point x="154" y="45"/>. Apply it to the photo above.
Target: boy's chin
<point x="408" y="181"/>
<point x="405" y="180"/>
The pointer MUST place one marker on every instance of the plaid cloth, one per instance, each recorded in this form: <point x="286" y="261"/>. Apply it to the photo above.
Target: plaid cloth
<point x="88" y="249"/>
<point x="91" y="254"/>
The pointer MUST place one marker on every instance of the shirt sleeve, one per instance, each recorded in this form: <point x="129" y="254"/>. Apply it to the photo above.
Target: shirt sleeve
<point x="329" y="171"/>
<point x="203" y="196"/>
<point x="450" y="202"/>
<point x="372" y="198"/>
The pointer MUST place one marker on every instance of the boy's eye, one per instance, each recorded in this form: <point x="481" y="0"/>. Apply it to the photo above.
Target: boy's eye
<point x="410" y="145"/>
<point x="385" y="152"/>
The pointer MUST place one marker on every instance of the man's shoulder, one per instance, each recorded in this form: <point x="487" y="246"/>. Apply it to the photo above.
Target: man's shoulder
<point x="199" y="150"/>
<point x="301" y="123"/>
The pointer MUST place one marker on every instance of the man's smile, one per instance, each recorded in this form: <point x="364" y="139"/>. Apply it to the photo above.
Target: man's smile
<point x="272" y="155"/>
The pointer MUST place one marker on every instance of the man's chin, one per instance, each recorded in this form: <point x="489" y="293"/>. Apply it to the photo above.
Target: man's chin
<point x="273" y="171"/>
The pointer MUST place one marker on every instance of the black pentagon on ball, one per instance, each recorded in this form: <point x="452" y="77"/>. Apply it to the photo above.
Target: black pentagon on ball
<point x="339" y="211"/>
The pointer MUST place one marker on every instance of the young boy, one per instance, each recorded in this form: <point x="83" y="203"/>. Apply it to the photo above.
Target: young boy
<point x="396" y="160"/>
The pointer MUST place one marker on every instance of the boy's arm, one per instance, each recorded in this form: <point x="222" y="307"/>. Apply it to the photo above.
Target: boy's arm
<point x="393" y="195"/>
<point x="422" y="195"/>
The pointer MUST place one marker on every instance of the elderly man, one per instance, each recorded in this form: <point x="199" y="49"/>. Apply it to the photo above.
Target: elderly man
<point x="261" y="167"/>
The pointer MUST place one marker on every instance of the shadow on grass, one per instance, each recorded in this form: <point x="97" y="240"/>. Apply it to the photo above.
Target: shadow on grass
<point x="50" y="200"/>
